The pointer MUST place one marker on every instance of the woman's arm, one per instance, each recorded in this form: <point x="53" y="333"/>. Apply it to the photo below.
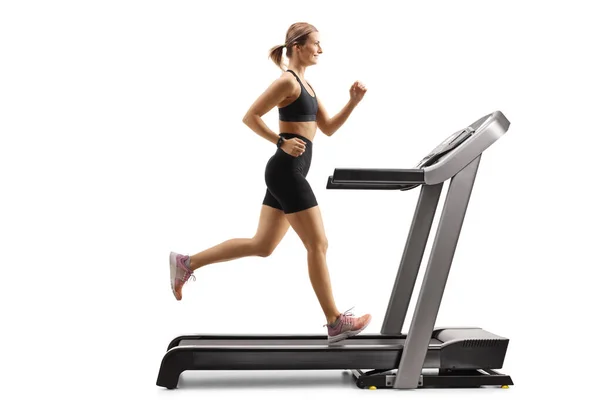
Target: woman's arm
<point x="275" y="94"/>
<point x="330" y="125"/>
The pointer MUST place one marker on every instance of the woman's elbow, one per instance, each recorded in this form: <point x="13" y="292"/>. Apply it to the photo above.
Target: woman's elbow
<point x="248" y="118"/>
<point x="326" y="130"/>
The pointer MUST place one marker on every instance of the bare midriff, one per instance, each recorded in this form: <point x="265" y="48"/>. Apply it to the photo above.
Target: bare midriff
<point x="307" y="129"/>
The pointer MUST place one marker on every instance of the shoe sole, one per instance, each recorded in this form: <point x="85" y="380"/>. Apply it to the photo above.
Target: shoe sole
<point x="348" y="334"/>
<point x="173" y="265"/>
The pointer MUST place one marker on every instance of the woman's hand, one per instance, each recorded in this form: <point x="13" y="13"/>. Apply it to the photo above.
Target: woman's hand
<point x="294" y="147"/>
<point x="357" y="92"/>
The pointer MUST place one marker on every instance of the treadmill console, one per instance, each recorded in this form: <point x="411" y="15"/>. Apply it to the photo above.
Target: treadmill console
<point x="451" y="143"/>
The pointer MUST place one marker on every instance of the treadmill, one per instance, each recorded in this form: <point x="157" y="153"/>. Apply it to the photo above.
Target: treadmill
<point x="425" y="357"/>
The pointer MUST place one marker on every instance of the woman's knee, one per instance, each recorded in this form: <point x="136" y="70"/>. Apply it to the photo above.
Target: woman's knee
<point x="263" y="249"/>
<point x="317" y="245"/>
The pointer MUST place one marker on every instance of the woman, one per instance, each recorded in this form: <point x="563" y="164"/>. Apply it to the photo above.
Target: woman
<point x="289" y="199"/>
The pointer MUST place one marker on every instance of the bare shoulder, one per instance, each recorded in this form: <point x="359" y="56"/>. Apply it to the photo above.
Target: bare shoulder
<point x="286" y="86"/>
<point x="286" y="81"/>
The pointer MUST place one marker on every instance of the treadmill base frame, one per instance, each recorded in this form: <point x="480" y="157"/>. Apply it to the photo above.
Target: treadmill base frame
<point x="472" y="378"/>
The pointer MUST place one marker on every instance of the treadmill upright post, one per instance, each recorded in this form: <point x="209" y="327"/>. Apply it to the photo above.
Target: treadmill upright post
<point x="434" y="281"/>
<point x="414" y="248"/>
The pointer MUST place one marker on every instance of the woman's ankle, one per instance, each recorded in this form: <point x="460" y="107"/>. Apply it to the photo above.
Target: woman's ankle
<point x="194" y="265"/>
<point x="332" y="319"/>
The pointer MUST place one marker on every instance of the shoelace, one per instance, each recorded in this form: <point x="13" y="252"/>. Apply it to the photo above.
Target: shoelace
<point x="188" y="275"/>
<point x="346" y="313"/>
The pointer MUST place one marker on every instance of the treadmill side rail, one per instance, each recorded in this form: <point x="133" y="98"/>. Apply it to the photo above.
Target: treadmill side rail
<point x="331" y="184"/>
<point x="379" y="175"/>
<point x="376" y="179"/>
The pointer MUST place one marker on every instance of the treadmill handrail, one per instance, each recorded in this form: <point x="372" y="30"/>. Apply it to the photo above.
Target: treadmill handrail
<point x="367" y="185"/>
<point x="379" y="176"/>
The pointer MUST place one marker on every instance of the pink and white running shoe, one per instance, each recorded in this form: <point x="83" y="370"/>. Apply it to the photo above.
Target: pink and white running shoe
<point x="180" y="272"/>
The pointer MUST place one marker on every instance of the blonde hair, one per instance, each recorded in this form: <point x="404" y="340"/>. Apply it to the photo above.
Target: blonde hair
<point x="296" y="34"/>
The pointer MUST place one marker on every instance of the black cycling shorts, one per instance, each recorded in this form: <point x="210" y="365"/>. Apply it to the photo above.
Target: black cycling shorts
<point x="285" y="176"/>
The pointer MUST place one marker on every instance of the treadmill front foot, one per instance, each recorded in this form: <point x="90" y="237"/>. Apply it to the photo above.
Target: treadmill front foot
<point x="466" y="379"/>
<point x="374" y="379"/>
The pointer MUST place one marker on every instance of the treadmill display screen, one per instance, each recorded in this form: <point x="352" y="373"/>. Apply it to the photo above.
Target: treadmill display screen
<point x="451" y="143"/>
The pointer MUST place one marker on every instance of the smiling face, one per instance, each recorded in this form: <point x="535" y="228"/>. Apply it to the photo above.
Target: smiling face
<point x="308" y="54"/>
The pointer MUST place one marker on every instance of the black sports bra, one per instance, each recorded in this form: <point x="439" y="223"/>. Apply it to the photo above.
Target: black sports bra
<point x="304" y="108"/>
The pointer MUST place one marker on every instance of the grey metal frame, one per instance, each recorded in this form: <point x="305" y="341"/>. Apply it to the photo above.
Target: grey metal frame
<point x="414" y="249"/>
<point x="436" y="275"/>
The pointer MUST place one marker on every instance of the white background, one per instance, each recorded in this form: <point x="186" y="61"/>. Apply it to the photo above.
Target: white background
<point x="122" y="140"/>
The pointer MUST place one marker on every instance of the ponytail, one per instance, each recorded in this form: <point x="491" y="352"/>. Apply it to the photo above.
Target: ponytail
<point x="276" y="54"/>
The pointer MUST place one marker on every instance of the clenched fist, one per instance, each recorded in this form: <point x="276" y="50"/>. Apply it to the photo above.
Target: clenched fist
<point x="357" y="92"/>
